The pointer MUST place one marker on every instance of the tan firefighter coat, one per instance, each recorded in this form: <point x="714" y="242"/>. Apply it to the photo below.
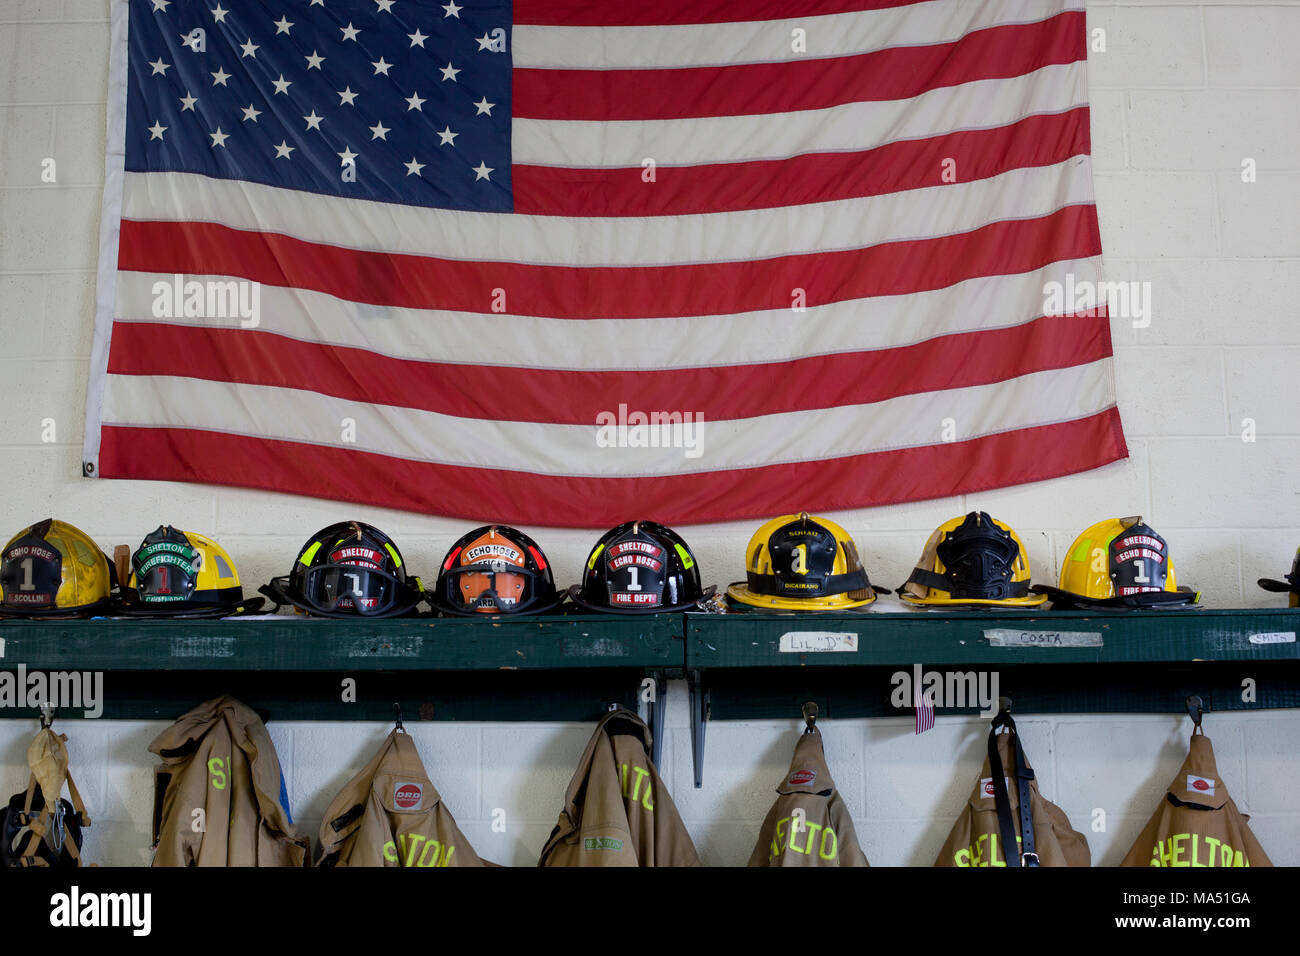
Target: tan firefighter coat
<point x="617" y="811"/>
<point x="976" y="838"/>
<point x="391" y="815"/>
<point x="219" y="759"/>
<point x="809" y="824"/>
<point x="1197" y="824"/>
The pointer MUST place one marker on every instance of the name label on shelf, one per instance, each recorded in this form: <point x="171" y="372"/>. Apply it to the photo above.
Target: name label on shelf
<point x="818" y="642"/>
<point x="1272" y="637"/>
<point x="594" y="647"/>
<point x="203" y="647"/>
<point x="1006" y="637"/>
<point x="397" y="646"/>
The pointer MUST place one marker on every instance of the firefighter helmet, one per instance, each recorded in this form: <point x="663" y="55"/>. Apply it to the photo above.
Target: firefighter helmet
<point x="494" y="570"/>
<point x="1118" y="563"/>
<point x="802" y="563"/>
<point x="973" y="560"/>
<point x="349" y="569"/>
<point x="640" y="567"/>
<point x="183" y="574"/>
<point x="54" y="570"/>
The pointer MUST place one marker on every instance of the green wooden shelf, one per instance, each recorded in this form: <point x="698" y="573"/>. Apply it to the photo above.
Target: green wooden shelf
<point x="547" y="643"/>
<point x="766" y="665"/>
<point x="559" y="667"/>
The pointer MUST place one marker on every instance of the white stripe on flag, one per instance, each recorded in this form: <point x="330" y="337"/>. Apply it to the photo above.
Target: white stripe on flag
<point x="522" y="341"/>
<point x="981" y="104"/>
<point x="1040" y="398"/>
<point x="769" y="41"/>
<point x="742" y="235"/>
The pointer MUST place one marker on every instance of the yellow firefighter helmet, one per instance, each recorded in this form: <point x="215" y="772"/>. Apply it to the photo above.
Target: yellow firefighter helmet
<point x="802" y="563"/>
<point x="183" y="574"/>
<point x="1119" y="563"/>
<point x="972" y="560"/>
<point x="53" y="569"/>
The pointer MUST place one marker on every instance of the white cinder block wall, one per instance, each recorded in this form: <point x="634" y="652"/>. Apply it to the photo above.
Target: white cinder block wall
<point x="1182" y="95"/>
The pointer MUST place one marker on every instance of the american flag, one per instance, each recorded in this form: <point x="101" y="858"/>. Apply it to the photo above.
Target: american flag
<point x="560" y="262"/>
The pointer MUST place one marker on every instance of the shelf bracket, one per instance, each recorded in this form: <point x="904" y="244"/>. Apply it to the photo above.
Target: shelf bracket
<point x="699" y="720"/>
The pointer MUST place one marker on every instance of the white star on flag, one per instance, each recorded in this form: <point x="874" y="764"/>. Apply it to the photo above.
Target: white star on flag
<point x="449" y="72"/>
<point x="249" y="48"/>
<point x="282" y="85"/>
<point x="447" y="136"/>
<point x="219" y="78"/>
<point x="219" y="138"/>
<point x="481" y="171"/>
<point x="413" y="102"/>
<point x="314" y="61"/>
<point x="313" y="121"/>
<point x="159" y="67"/>
<point x="484" y="107"/>
<point x="251" y="114"/>
<point x="283" y="150"/>
<point x="346" y="96"/>
<point x="218" y="14"/>
<point x="413" y="168"/>
<point x="188" y="101"/>
<point x="350" y="32"/>
<point x="347" y="156"/>
<point x="380" y="131"/>
<point x="418" y="38"/>
<point x="156" y="130"/>
<point x="282" y="25"/>
<point x="452" y="10"/>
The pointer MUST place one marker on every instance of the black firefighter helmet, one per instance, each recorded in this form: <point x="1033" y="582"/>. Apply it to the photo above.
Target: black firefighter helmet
<point x="640" y="567"/>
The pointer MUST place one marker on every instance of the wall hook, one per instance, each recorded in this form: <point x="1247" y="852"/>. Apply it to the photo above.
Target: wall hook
<point x="1195" y="710"/>
<point x="397" y="717"/>
<point x="47" y="715"/>
<point x="810" y="717"/>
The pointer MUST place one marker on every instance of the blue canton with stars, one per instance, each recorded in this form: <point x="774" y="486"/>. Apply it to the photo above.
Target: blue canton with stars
<point x="394" y="100"/>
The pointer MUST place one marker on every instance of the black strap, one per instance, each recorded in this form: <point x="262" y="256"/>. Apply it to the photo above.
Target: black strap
<point x="941" y="582"/>
<point x="834" y="584"/>
<point x="1026" y="850"/>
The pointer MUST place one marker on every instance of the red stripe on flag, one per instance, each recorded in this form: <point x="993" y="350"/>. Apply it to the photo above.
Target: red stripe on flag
<point x="576" y="292"/>
<point x="748" y="89"/>
<point x="602" y="13"/>
<point x="879" y="478"/>
<point x="727" y="392"/>
<point x="811" y="178"/>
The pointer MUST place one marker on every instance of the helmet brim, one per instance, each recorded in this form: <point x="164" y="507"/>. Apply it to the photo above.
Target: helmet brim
<point x="436" y="602"/>
<point x="130" y="605"/>
<point x="1147" y="601"/>
<point x="1029" y="600"/>
<point x="1270" y="584"/>
<point x="575" y="596"/>
<point x="741" y="592"/>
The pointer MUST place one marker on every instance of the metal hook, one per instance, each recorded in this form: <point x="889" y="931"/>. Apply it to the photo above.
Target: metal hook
<point x="1195" y="710"/>
<point x="613" y="706"/>
<point x="47" y="715"/>
<point x="397" y="712"/>
<point x="810" y="717"/>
